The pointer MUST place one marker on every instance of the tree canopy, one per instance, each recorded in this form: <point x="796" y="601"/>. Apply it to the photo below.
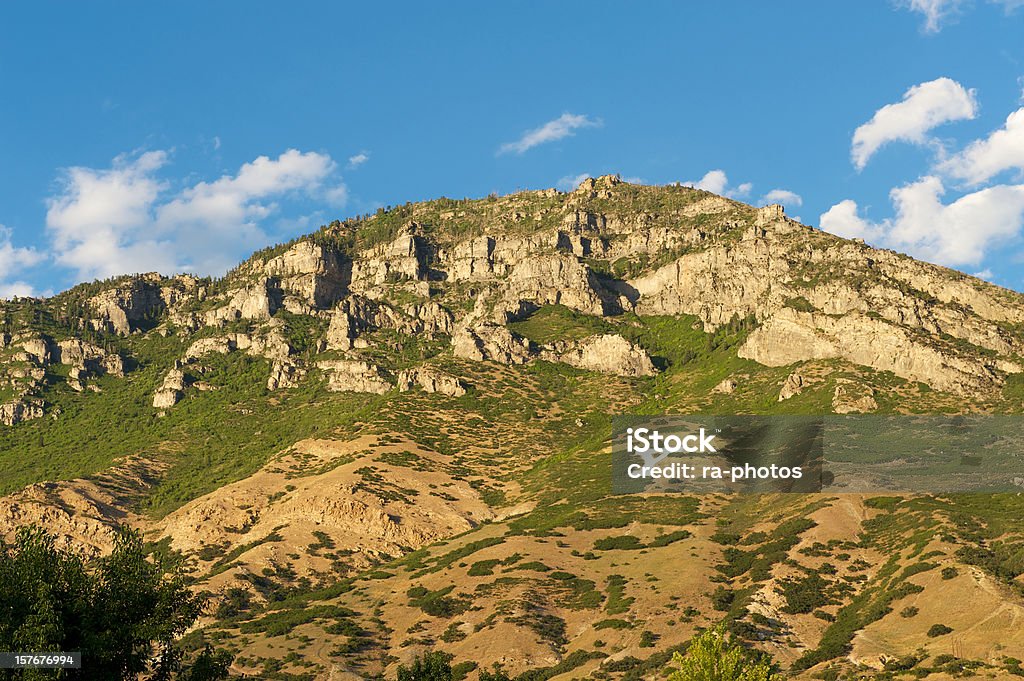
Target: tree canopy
<point x="120" y="611"/>
<point x="714" y="657"/>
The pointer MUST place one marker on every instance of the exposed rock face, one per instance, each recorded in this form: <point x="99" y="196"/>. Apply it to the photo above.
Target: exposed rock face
<point x="791" y="336"/>
<point x="285" y="374"/>
<point x="490" y="342"/>
<point x="39" y="348"/>
<point x="405" y="258"/>
<point x="716" y="284"/>
<point x="220" y="345"/>
<point x="122" y="309"/>
<point x="726" y="387"/>
<point x="432" y="318"/>
<point x="555" y="280"/>
<point x="769" y="214"/>
<point x="77" y="352"/>
<point x="358" y="313"/>
<point x="608" y="353"/>
<point x="312" y="273"/>
<point x="793" y="385"/>
<point x="602" y="249"/>
<point x="853" y="399"/>
<point x="341" y="331"/>
<point x="12" y="413"/>
<point x="171" y="390"/>
<point x="432" y="381"/>
<point x="765" y="276"/>
<point x="258" y="301"/>
<point x="353" y="376"/>
<point x="114" y="365"/>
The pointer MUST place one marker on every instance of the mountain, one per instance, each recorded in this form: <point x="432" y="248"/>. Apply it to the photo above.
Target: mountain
<point x="391" y="436"/>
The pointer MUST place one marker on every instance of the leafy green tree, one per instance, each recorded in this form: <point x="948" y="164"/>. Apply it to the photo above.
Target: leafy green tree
<point x="120" y="611"/>
<point x="713" y="657"/>
<point x="435" y="666"/>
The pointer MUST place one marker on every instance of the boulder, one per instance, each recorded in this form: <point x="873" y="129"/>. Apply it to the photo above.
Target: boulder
<point x="793" y="385"/>
<point x="726" y="386"/>
<point x="850" y="398"/>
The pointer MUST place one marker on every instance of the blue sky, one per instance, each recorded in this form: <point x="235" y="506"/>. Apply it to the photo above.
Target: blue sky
<point x="141" y="136"/>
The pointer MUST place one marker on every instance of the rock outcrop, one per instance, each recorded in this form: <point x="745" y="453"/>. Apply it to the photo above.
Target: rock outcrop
<point x="353" y="376"/>
<point x="312" y="273"/>
<point x="127" y="307"/>
<point x="285" y="374"/>
<point x="608" y="353"/>
<point x="490" y="342"/>
<point x="793" y="385"/>
<point x="172" y="390"/>
<point x="431" y="381"/>
<point x="850" y="398"/>
<point x="727" y="386"/>
<point x="12" y="413"/>
<point x="791" y="336"/>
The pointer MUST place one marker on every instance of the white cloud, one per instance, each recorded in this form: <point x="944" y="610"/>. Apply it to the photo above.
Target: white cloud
<point x="935" y="12"/>
<point x="717" y="182"/>
<point x="358" y="160"/>
<point x="924" y="106"/>
<point x="570" y="182"/>
<point x="783" y="196"/>
<point x="552" y="131"/>
<point x="955" y="234"/>
<point x="1002" y="150"/>
<point x="16" y="289"/>
<point x="842" y="220"/>
<point x="1009" y="5"/>
<point x="985" y="274"/>
<point x="125" y="219"/>
<point x="12" y="261"/>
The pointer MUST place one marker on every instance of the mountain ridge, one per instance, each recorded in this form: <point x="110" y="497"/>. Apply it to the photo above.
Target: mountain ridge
<point x="396" y="414"/>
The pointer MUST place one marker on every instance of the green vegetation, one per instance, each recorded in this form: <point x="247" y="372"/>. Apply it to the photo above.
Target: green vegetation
<point x="712" y="656"/>
<point x="120" y="612"/>
<point x="937" y="630"/>
<point x="434" y="666"/>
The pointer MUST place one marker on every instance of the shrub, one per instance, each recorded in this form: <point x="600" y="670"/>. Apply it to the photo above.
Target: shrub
<point x="712" y="656"/>
<point x="937" y="630"/>
<point x="624" y="542"/>
<point x="435" y="666"/>
<point x="722" y="598"/>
